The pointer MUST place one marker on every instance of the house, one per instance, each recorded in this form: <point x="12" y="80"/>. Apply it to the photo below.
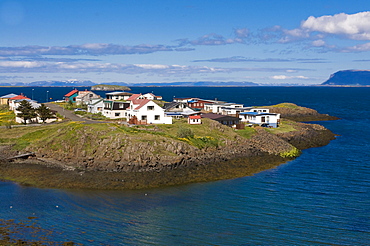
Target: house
<point x="232" y="109"/>
<point x="4" y="99"/>
<point x="194" y="120"/>
<point x="115" y="109"/>
<point x="223" y="119"/>
<point x="195" y="103"/>
<point x="145" y="111"/>
<point x="177" y="107"/>
<point x="95" y="106"/>
<point x="261" y="118"/>
<point x="34" y="105"/>
<point x="151" y="96"/>
<point x="13" y="101"/>
<point x="118" y="95"/>
<point x="71" y="96"/>
<point x="83" y="97"/>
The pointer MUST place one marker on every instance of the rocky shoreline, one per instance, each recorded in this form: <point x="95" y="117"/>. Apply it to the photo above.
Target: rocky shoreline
<point x="121" y="161"/>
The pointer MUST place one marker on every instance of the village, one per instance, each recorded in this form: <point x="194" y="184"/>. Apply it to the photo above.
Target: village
<point x="146" y="109"/>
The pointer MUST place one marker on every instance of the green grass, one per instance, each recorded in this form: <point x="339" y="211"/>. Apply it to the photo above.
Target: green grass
<point x="285" y="126"/>
<point x="286" y="105"/>
<point x="247" y="132"/>
<point x="6" y="116"/>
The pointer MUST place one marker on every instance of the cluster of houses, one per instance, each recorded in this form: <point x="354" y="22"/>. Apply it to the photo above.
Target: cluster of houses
<point x="13" y="101"/>
<point x="140" y="109"/>
<point x="149" y="109"/>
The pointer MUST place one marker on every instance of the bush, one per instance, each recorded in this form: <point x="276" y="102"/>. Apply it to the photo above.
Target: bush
<point x="184" y="132"/>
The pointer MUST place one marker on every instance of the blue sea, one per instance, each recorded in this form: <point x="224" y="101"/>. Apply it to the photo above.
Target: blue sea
<point x="320" y="198"/>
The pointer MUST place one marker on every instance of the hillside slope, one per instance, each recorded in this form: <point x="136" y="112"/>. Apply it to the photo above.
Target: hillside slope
<point x="349" y="77"/>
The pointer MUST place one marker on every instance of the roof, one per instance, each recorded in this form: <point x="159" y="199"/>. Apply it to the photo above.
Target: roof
<point x="190" y="112"/>
<point x="141" y="102"/>
<point x="257" y="113"/>
<point x="71" y="93"/>
<point x="119" y="93"/>
<point x="18" y="97"/>
<point x="95" y="101"/>
<point x="9" y="95"/>
<point x="133" y="97"/>
<point x="219" y="117"/>
<point x="194" y="117"/>
<point x="171" y="105"/>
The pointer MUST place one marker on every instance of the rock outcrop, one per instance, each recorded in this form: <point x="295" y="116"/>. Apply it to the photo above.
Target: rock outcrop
<point x="297" y="113"/>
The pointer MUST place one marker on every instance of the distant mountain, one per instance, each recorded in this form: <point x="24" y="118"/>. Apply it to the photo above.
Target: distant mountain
<point x="349" y="78"/>
<point x="62" y="83"/>
<point x="68" y="83"/>
<point x="76" y="83"/>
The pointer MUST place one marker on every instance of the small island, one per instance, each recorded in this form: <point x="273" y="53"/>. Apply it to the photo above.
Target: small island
<point x="81" y="153"/>
<point x="104" y="87"/>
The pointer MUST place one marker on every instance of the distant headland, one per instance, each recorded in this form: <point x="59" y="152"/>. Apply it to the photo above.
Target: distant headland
<point x="349" y="78"/>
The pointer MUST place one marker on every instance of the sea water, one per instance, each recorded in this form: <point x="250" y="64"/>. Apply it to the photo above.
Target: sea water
<point x="320" y="198"/>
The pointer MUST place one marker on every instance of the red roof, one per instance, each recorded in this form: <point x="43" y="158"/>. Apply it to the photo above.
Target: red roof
<point x="18" y="97"/>
<point x="141" y="102"/>
<point x="194" y="117"/>
<point x="133" y="97"/>
<point x="71" y="93"/>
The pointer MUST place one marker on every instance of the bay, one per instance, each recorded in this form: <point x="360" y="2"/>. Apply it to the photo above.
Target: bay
<point x="320" y="198"/>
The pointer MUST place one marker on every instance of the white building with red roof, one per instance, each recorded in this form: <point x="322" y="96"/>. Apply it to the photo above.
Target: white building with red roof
<point x="13" y="101"/>
<point x="145" y="111"/>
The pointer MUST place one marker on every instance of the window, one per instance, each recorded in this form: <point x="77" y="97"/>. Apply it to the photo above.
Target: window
<point x="116" y="114"/>
<point x="120" y="105"/>
<point x="150" y="107"/>
<point x="143" y="117"/>
<point x="157" y="117"/>
<point x="263" y="119"/>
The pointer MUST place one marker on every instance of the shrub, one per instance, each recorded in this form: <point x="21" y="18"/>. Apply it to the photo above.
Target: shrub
<point x="184" y="132"/>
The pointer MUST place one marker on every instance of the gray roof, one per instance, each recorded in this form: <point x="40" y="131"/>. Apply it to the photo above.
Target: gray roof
<point x="9" y="95"/>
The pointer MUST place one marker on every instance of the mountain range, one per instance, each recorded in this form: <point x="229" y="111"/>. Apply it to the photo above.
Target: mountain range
<point x="75" y="83"/>
<point x="340" y="78"/>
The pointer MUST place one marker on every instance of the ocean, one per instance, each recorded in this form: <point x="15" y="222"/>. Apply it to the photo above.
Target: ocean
<point x="320" y="198"/>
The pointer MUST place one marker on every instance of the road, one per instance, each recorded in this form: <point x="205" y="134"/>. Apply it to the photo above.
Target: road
<point x="70" y="115"/>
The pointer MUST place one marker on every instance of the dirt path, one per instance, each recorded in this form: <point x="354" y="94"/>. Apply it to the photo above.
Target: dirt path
<point x="70" y="115"/>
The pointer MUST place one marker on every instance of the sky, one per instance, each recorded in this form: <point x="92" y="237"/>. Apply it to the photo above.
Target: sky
<point x="269" y="42"/>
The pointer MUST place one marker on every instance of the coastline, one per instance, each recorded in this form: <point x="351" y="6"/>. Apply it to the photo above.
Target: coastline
<point x="238" y="158"/>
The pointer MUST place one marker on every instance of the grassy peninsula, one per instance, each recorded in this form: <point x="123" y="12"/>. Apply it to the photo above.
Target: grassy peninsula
<point x="114" y="156"/>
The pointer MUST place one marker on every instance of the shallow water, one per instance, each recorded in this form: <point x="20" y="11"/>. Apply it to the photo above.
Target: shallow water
<point x="320" y="198"/>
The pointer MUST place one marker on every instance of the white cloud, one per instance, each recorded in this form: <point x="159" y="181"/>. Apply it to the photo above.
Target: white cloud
<point x="284" y="77"/>
<point x="355" y="26"/>
<point x="318" y="43"/>
<point x="358" y="48"/>
<point x="20" y="64"/>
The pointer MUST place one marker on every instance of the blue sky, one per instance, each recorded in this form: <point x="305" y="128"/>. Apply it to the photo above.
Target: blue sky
<point x="266" y="42"/>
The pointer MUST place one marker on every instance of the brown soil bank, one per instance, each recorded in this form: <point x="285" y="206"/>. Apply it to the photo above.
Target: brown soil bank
<point x="108" y="156"/>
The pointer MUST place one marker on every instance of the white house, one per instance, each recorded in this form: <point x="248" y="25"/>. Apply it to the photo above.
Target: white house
<point x="194" y="120"/>
<point x="261" y="118"/>
<point x="115" y="109"/>
<point x="145" y="111"/>
<point x="151" y="96"/>
<point x="85" y="96"/>
<point x="95" y="106"/>
<point x="13" y="102"/>
<point x="118" y="95"/>
<point x="34" y="105"/>
<point x="224" y="108"/>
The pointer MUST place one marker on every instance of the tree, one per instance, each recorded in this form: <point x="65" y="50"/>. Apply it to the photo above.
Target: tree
<point x="44" y="113"/>
<point x="27" y="112"/>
